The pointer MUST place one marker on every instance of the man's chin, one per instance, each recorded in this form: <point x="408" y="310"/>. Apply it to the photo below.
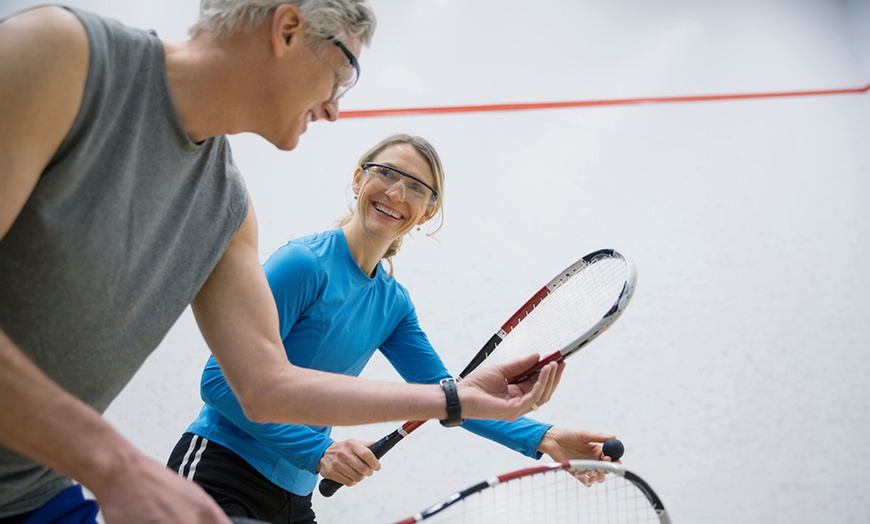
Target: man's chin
<point x="288" y="144"/>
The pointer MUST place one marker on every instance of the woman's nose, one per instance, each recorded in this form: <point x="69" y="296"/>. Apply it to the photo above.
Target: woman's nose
<point x="396" y="192"/>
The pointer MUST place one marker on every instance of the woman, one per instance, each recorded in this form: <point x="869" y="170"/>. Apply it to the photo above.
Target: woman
<point x="337" y="304"/>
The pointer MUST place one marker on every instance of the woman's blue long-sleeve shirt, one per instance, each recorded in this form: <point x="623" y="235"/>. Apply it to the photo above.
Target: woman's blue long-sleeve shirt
<point x="332" y="317"/>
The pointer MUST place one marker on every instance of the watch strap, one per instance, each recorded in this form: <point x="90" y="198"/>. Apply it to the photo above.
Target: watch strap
<point x="454" y="410"/>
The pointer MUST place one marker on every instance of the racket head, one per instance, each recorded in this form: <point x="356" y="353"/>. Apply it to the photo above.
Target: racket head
<point x="551" y="493"/>
<point x="570" y="311"/>
<point x="614" y="291"/>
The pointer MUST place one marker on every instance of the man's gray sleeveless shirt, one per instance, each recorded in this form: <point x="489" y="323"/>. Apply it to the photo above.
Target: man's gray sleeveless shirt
<point x="122" y="229"/>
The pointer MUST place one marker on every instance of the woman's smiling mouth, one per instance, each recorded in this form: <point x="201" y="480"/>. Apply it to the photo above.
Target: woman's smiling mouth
<point x="387" y="211"/>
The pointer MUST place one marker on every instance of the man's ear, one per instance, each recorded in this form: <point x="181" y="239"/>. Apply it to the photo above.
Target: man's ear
<point x="287" y="29"/>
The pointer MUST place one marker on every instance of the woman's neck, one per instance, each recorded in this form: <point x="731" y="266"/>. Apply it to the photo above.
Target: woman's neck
<point x="366" y="252"/>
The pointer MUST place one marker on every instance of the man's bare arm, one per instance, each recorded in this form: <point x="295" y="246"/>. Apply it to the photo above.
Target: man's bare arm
<point x="43" y="66"/>
<point x="44" y="422"/>
<point x="237" y="315"/>
<point x="40" y="92"/>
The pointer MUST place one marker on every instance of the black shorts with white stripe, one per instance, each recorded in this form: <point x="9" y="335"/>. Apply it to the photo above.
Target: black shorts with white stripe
<point x="236" y="486"/>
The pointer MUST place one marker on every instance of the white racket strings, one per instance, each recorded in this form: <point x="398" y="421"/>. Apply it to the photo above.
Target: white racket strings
<point x="567" y="313"/>
<point x="553" y="497"/>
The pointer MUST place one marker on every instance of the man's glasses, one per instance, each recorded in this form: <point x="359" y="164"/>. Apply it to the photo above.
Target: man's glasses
<point x="384" y="178"/>
<point x="344" y="86"/>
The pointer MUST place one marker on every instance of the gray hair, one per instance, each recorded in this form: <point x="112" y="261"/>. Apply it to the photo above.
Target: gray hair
<point x="324" y="18"/>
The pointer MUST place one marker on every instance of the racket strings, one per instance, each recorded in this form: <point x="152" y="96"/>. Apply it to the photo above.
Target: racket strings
<point x="553" y="497"/>
<point x="567" y="314"/>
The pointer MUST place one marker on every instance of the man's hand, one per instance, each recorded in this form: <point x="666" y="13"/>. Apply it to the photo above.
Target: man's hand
<point x="348" y="462"/>
<point x="144" y="491"/>
<point x="486" y="393"/>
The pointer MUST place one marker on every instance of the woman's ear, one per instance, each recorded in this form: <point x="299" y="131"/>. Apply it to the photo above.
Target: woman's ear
<point x="427" y="216"/>
<point x="357" y="181"/>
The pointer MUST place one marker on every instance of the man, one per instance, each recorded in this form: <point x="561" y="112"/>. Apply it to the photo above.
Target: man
<point x="120" y="204"/>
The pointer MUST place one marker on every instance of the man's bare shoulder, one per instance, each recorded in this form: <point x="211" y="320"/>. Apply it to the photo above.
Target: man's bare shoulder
<point x="44" y="57"/>
<point x="43" y="65"/>
<point x="34" y="28"/>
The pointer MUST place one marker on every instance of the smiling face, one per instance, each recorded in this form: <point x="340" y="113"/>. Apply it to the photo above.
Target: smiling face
<point x="315" y="99"/>
<point x="384" y="214"/>
<point x="305" y="80"/>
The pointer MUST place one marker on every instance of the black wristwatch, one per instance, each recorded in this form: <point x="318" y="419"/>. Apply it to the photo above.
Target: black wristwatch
<point x="454" y="410"/>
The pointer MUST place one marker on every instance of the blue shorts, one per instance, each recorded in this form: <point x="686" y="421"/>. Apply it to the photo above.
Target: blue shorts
<point x="69" y="507"/>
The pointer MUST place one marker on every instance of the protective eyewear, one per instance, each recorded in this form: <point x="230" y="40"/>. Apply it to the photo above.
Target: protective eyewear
<point x="344" y="86"/>
<point x="385" y="178"/>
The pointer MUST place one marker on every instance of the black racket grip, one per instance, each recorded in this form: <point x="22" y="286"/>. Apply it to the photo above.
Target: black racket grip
<point x="328" y="487"/>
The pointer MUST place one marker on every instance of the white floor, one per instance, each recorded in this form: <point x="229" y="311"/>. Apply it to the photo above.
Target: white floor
<point x="737" y="376"/>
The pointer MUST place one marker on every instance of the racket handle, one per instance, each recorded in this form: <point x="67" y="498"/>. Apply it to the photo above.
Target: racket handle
<point x="328" y="487"/>
<point x="534" y="370"/>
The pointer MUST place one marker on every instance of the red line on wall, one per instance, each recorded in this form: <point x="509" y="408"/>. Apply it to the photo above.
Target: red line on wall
<point x="364" y="113"/>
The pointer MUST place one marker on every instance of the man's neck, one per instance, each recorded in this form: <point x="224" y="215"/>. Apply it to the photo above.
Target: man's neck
<point x="212" y="86"/>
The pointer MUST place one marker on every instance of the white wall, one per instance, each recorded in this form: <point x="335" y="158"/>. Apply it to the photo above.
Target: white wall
<point x="737" y="376"/>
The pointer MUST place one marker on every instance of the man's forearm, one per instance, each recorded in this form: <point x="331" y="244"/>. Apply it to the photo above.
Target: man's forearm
<point x="284" y="393"/>
<point x="42" y="421"/>
<point x="321" y="398"/>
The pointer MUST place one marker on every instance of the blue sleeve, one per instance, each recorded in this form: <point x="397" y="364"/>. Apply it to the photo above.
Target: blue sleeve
<point x="522" y="435"/>
<point x="294" y="275"/>
<point x="303" y="446"/>
<point x="409" y="351"/>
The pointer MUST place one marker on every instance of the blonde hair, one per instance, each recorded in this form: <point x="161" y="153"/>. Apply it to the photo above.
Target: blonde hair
<point x="428" y="152"/>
